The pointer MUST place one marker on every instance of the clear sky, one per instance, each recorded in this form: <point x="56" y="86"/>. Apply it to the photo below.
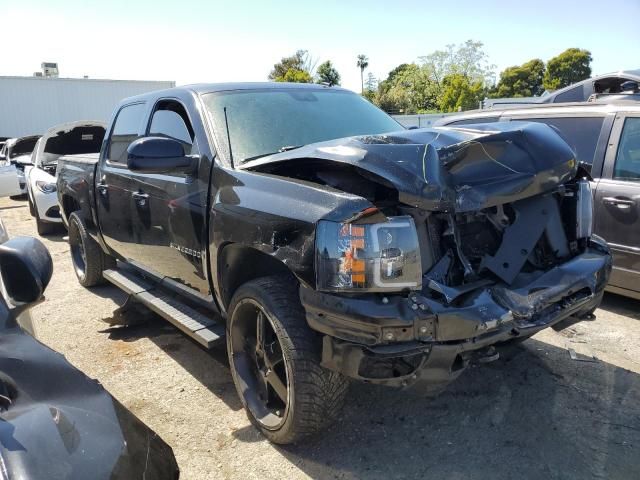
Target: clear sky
<point x="212" y="41"/>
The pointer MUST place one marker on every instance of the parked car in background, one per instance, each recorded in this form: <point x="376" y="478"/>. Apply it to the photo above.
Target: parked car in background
<point x="17" y="152"/>
<point x="55" y="422"/>
<point x="323" y="241"/>
<point x="610" y="83"/>
<point x="73" y="138"/>
<point x="606" y="139"/>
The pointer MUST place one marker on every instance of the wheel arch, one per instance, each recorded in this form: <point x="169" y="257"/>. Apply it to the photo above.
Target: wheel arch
<point x="69" y="205"/>
<point x="239" y="264"/>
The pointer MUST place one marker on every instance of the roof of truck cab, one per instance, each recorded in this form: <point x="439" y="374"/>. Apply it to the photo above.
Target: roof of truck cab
<point x="203" y="88"/>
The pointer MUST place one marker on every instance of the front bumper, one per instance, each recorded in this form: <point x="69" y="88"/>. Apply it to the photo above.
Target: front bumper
<point x="47" y="205"/>
<point x="418" y="340"/>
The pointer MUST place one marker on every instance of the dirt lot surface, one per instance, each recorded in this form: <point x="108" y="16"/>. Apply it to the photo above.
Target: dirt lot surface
<point x="535" y="413"/>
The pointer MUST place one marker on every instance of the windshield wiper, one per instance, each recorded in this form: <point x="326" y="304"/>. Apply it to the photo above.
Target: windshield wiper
<point x="286" y="148"/>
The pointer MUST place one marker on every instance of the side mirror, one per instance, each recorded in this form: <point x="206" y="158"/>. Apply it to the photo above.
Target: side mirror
<point x="158" y="155"/>
<point x="25" y="269"/>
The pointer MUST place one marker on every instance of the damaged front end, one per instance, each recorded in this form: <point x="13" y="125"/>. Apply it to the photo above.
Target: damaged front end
<point x="476" y="237"/>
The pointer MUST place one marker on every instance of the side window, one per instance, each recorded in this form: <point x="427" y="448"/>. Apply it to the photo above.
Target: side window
<point x="171" y="120"/>
<point x="580" y="133"/>
<point x="627" y="166"/>
<point x="125" y="131"/>
<point x="575" y="94"/>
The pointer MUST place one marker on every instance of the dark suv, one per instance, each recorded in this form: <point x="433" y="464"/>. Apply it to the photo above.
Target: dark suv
<point x="606" y="139"/>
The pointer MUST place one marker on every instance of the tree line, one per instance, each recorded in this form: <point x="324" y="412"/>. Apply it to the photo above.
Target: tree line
<point x="456" y="78"/>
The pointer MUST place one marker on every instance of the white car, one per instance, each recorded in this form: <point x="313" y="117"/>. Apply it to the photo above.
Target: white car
<point x="73" y="138"/>
<point x="18" y="152"/>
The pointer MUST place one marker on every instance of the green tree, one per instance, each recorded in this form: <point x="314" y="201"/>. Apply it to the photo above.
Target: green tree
<point x="463" y="66"/>
<point x="521" y="81"/>
<point x="328" y="74"/>
<point x="363" y="62"/>
<point x="571" y="66"/>
<point x="370" y="87"/>
<point x="296" y="68"/>
<point x="468" y="59"/>
<point x="459" y="92"/>
<point x="407" y="89"/>
<point x="295" y="76"/>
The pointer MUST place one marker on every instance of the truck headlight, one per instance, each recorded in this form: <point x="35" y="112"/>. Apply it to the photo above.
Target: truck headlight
<point x="584" y="210"/>
<point x="368" y="257"/>
<point x="45" y="187"/>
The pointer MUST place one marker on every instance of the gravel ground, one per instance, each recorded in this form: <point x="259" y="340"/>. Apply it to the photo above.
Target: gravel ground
<point x="535" y="413"/>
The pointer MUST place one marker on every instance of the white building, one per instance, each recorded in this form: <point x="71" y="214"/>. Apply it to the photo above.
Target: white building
<point x="31" y="105"/>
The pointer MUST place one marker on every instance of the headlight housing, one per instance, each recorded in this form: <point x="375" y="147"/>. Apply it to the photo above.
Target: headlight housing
<point x="45" y="187"/>
<point x="378" y="257"/>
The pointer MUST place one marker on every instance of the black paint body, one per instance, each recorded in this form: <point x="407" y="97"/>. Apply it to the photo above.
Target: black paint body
<point x="214" y="228"/>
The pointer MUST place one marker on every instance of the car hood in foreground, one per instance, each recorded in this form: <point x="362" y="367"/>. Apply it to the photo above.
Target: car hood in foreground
<point x="449" y="169"/>
<point x="55" y="422"/>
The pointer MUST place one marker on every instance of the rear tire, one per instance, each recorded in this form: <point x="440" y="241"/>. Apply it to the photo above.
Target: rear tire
<point x="286" y="393"/>
<point x="89" y="261"/>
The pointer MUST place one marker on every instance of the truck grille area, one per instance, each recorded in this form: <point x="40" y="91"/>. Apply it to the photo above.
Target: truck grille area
<point x="510" y="244"/>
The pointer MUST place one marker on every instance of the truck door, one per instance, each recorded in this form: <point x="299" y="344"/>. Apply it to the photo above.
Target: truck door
<point x="617" y="202"/>
<point x="169" y="208"/>
<point x="114" y="185"/>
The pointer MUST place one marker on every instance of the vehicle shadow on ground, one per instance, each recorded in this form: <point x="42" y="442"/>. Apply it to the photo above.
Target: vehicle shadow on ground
<point x="621" y="305"/>
<point x="59" y="235"/>
<point x="535" y="413"/>
<point x="209" y="367"/>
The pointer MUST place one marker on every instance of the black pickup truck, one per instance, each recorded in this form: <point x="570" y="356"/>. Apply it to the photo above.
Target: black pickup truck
<point x="325" y="242"/>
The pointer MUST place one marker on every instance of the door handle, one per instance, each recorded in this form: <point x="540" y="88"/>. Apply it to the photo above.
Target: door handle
<point x="619" y="202"/>
<point x="103" y="188"/>
<point x="140" y="198"/>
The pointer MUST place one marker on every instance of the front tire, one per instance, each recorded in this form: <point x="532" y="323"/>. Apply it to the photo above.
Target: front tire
<point x="89" y="261"/>
<point x="44" y="228"/>
<point x="32" y="209"/>
<point x="275" y="362"/>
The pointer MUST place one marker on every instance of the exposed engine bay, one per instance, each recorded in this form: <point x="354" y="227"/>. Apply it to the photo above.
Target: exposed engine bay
<point x="502" y="220"/>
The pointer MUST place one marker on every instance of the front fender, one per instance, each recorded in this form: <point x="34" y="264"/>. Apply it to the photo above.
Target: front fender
<point x="275" y="216"/>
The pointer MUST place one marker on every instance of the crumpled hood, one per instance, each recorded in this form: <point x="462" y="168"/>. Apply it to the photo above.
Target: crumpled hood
<point x="452" y="169"/>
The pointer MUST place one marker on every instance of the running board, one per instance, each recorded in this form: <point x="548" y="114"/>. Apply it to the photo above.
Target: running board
<point x="201" y="328"/>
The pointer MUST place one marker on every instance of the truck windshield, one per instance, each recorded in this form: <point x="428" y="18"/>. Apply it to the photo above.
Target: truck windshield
<point x="266" y="121"/>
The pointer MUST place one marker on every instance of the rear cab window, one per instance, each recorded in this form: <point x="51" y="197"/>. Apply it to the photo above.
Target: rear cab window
<point x="126" y="129"/>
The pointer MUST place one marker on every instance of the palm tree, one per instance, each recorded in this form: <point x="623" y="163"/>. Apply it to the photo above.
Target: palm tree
<point x="363" y="62"/>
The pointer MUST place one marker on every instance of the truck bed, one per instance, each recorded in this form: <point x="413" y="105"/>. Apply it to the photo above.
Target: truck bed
<point x="75" y="174"/>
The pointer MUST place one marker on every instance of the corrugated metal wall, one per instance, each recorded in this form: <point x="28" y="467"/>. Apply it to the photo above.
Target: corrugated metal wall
<point x="31" y="105"/>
